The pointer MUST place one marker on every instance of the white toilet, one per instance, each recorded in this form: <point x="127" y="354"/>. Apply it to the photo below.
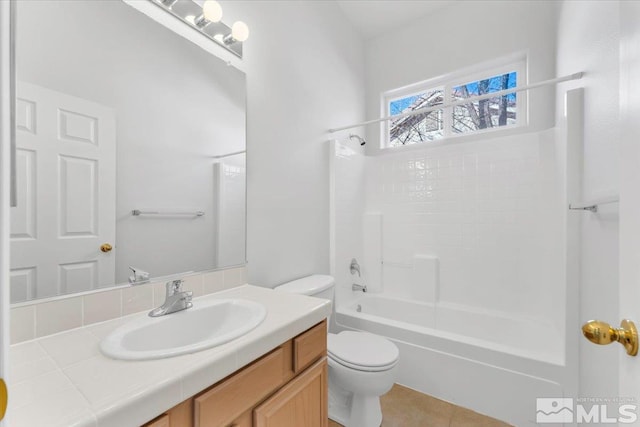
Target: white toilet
<point x="362" y="366"/>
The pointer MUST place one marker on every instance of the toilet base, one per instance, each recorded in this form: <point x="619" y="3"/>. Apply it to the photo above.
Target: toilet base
<point x="354" y="411"/>
<point x="339" y="403"/>
<point x="365" y="412"/>
<point x="339" y="413"/>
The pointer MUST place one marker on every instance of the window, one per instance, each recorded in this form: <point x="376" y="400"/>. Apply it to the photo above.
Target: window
<point x="421" y="127"/>
<point x="485" y="113"/>
<point x="440" y="123"/>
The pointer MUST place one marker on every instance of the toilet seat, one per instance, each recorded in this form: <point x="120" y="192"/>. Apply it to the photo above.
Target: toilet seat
<point x="362" y="351"/>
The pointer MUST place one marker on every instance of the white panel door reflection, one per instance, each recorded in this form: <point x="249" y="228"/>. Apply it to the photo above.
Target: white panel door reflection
<point x="66" y="148"/>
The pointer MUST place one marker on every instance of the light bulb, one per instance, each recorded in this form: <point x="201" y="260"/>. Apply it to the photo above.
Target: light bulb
<point x="212" y="11"/>
<point x="240" y="31"/>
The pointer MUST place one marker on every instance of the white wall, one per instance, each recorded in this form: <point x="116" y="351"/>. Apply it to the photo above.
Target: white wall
<point x="148" y="75"/>
<point x="304" y="66"/>
<point x="348" y="204"/>
<point x="629" y="183"/>
<point x="460" y="36"/>
<point x="588" y="40"/>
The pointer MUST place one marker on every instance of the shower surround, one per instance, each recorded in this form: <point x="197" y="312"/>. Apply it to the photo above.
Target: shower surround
<point x="463" y="252"/>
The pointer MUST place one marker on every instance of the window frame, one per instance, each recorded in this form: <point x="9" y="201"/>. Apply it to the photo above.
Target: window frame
<point x="447" y="83"/>
<point x="389" y="100"/>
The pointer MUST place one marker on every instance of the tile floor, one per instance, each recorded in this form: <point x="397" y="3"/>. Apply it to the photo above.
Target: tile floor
<point x="403" y="407"/>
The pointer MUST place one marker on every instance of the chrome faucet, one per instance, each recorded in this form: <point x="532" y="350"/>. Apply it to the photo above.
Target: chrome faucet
<point x="356" y="287"/>
<point x="354" y="267"/>
<point x="176" y="300"/>
<point x="138" y="277"/>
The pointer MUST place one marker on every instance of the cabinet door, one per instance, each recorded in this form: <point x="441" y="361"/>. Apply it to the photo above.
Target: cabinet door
<point x="179" y="416"/>
<point x="244" y="420"/>
<point x="161" y="421"/>
<point x="301" y="403"/>
<point x="226" y="401"/>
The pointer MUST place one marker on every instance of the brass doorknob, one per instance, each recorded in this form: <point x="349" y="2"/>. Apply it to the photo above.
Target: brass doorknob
<point x="4" y="397"/>
<point x="106" y="247"/>
<point x="599" y="332"/>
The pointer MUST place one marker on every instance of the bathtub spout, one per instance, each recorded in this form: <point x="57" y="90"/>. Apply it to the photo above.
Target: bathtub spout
<point x="356" y="287"/>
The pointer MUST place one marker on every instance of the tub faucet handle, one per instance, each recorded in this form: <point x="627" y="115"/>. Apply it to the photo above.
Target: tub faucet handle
<point x="354" y="267"/>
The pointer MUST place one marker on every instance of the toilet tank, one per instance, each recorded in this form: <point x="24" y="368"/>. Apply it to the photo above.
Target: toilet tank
<point x="318" y="285"/>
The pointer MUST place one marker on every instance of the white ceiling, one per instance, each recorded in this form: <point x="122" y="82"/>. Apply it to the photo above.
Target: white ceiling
<point x="375" y="17"/>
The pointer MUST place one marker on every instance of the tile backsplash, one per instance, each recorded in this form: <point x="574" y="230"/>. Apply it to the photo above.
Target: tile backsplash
<point x="38" y="319"/>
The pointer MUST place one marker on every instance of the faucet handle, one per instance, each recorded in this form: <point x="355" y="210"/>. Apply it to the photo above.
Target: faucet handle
<point x="139" y="276"/>
<point x="174" y="286"/>
<point x="354" y="267"/>
<point x="187" y="297"/>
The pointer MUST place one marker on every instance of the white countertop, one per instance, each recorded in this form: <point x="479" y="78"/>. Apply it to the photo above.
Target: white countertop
<point x="63" y="380"/>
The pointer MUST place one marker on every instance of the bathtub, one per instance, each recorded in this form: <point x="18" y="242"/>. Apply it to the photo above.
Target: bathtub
<point x="489" y="362"/>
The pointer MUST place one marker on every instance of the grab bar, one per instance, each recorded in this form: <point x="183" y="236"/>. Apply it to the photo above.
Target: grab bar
<point x="592" y="205"/>
<point x="138" y="212"/>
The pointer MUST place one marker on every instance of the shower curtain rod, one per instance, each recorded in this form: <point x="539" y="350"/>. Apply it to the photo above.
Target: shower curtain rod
<point x="424" y="110"/>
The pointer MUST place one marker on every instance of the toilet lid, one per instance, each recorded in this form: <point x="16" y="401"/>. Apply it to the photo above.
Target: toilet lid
<point x="362" y="351"/>
<point x="310" y="285"/>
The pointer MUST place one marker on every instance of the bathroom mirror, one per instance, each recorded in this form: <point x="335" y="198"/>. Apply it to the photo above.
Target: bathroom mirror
<point x="130" y="151"/>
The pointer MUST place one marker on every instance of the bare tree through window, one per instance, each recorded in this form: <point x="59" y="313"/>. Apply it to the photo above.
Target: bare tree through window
<point x="474" y="116"/>
<point x="420" y="127"/>
<point x="486" y="113"/>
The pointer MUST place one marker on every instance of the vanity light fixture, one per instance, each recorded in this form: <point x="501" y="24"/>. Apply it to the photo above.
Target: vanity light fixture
<point x="239" y="33"/>
<point x="207" y="20"/>
<point x="169" y="3"/>
<point x="211" y="12"/>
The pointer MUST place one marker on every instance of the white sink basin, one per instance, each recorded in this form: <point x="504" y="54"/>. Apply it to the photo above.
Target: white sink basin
<point x="205" y="325"/>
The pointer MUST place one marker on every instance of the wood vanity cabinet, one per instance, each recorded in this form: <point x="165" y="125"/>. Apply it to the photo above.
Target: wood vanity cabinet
<point x="287" y="387"/>
<point x="179" y="416"/>
<point x="302" y="402"/>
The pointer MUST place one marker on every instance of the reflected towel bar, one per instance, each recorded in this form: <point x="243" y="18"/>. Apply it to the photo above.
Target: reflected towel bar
<point x="138" y="212"/>
<point x="593" y="204"/>
<point x="222" y="156"/>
